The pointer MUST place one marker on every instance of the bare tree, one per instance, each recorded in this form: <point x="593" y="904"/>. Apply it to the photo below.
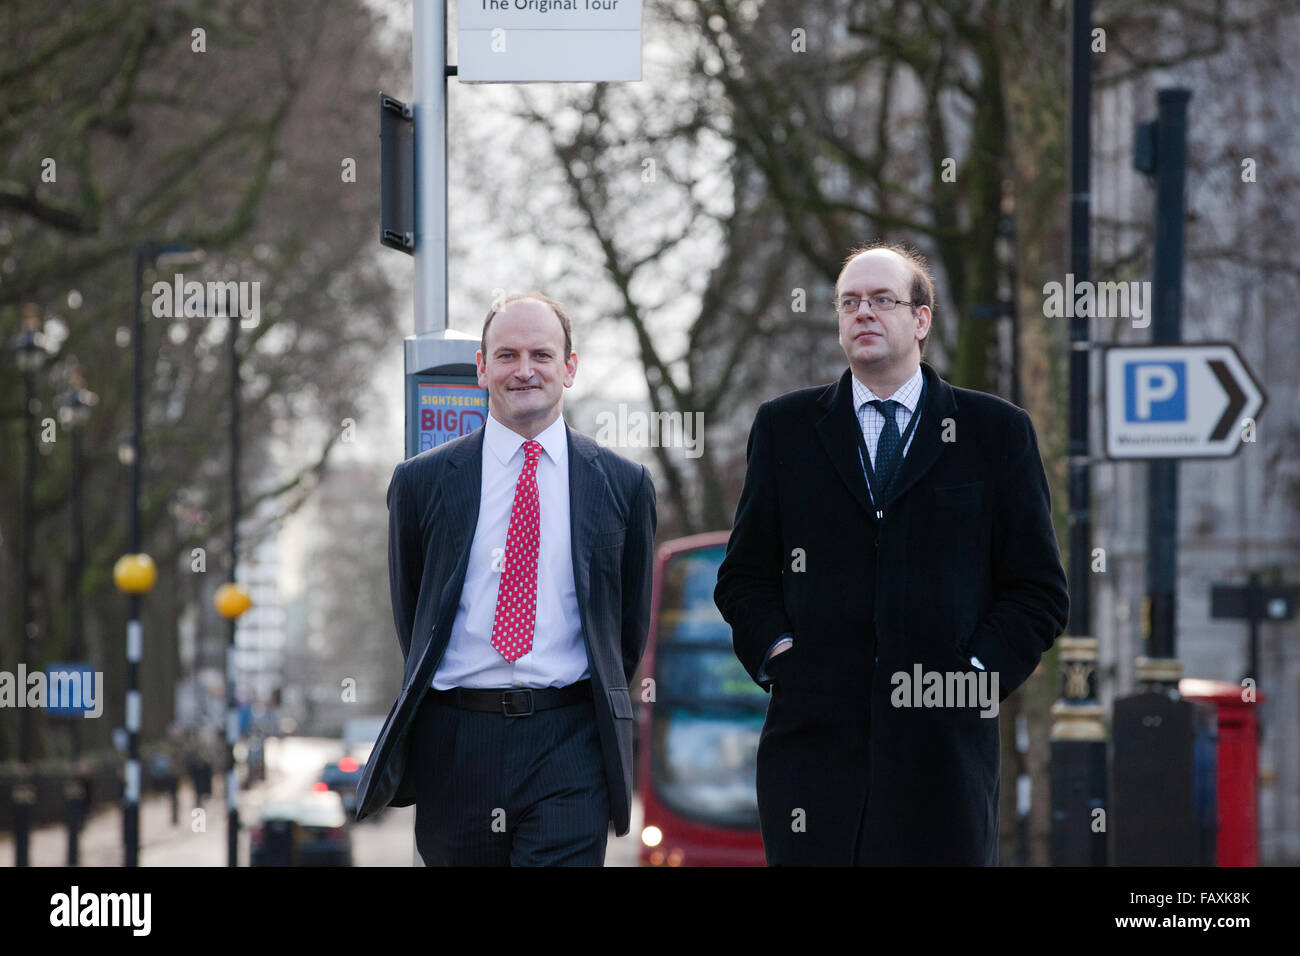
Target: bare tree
<point x="233" y="129"/>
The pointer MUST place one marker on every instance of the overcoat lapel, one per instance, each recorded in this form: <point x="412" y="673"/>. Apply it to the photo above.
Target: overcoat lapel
<point x="926" y="443"/>
<point x="841" y="435"/>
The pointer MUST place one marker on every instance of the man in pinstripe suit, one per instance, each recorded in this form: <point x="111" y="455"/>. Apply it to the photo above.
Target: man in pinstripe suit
<point x="519" y="563"/>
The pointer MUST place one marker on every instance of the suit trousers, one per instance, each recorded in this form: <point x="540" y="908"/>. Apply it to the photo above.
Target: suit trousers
<point x="492" y="790"/>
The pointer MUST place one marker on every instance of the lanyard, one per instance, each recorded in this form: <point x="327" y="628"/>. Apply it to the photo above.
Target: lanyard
<point x="877" y="493"/>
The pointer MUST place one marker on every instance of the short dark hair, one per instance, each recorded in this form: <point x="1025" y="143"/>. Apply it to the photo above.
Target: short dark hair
<point x="921" y="291"/>
<point x="499" y="304"/>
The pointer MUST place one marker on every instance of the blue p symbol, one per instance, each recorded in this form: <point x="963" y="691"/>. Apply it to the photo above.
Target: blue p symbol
<point x="1155" y="391"/>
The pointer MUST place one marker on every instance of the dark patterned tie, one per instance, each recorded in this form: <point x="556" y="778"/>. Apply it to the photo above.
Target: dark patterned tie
<point x="887" y="445"/>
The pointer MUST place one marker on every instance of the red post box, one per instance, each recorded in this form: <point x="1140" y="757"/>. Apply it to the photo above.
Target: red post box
<point x="1238" y="767"/>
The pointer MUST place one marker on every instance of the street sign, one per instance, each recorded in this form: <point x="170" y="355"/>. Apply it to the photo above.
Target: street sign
<point x="1178" y="401"/>
<point x="513" y="41"/>
<point x="1253" y="603"/>
<point x="447" y="410"/>
<point x="396" y="174"/>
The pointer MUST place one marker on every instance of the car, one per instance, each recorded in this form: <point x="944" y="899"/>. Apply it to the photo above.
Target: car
<point x="342" y="776"/>
<point x="309" y="830"/>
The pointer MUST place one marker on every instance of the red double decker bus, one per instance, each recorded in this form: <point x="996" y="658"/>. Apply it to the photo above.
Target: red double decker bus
<point x="699" y="718"/>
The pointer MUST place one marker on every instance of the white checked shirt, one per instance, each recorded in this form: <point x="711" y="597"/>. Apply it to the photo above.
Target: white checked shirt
<point x="872" y="422"/>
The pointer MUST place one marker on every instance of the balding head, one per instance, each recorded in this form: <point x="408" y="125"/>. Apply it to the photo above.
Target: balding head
<point x="526" y="362"/>
<point x="535" y="297"/>
<point x="912" y="275"/>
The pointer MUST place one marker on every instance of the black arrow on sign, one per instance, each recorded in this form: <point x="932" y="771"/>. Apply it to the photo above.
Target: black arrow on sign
<point x="1236" y="398"/>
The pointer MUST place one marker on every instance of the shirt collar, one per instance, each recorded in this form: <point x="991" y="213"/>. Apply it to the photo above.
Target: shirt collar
<point x="907" y="394"/>
<point x="505" y="443"/>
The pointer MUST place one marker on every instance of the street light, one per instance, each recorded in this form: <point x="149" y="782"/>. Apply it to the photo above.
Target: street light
<point x="74" y="411"/>
<point x="143" y="253"/>
<point x="29" y="348"/>
<point x="232" y="601"/>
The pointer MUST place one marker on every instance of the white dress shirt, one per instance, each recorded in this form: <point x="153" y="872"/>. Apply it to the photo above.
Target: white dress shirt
<point x="558" y="656"/>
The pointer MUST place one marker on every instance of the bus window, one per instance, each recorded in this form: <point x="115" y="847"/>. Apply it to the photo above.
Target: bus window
<point x="708" y="712"/>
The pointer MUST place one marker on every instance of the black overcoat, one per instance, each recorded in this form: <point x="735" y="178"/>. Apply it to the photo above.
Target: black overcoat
<point x="961" y="561"/>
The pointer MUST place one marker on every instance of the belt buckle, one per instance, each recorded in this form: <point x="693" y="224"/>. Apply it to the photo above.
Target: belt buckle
<point x="507" y="698"/>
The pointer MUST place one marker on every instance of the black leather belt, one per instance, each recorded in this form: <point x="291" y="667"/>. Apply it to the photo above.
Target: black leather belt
<point x="512" y="701"/>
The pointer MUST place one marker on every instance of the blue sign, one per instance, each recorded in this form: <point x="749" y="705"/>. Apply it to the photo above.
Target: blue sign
<point x="446" y="411"/>
<point x="71" y="690"/>
<point x="1155" y="391"/>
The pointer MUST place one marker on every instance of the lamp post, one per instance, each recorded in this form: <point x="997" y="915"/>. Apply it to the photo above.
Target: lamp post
<point x="29" y="351"/>
<point x="142" y="254"/>
<point x="1079" y="733"/>
<point x="74" y="411"/>
<point x="134" y="574"/>
<point x="231" y="601"/>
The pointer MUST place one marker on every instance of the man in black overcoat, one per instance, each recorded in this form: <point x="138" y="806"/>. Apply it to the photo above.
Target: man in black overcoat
<point x="892" y="575"/>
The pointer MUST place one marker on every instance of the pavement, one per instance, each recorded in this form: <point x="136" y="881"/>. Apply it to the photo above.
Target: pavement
<point x="198" y="838"/>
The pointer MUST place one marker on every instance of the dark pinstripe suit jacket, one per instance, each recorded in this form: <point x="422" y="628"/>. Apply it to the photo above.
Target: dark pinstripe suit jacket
<point x="433" y="502"/>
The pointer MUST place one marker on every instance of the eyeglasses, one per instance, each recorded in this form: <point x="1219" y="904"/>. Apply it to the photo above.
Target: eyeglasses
<point x="847" y="305"/>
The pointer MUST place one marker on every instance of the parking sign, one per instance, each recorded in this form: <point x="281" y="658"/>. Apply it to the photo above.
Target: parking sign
<point x="1178" y="401"/>
<point x="1155" y="391"/>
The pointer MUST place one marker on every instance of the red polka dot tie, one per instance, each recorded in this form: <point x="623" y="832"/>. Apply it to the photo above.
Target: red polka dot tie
<point x="512" y="628"/>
